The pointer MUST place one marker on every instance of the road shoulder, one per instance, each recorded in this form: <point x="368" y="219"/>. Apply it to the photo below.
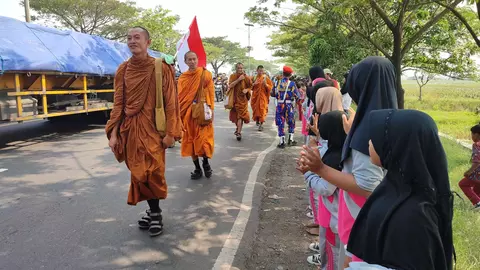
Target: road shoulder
<point x="279" y="240"/>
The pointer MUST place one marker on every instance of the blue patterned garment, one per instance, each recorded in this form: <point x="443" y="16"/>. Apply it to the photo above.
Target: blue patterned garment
<point x="285" y="112"/>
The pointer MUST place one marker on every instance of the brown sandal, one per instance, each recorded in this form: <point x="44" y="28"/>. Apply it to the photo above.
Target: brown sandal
<point x="311" y="225"/>
<point x="313" y="231"/>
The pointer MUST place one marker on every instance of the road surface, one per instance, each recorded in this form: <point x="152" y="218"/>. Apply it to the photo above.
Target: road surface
<point x="63" y="201"/>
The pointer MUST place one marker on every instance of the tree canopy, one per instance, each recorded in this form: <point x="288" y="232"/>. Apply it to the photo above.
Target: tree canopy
<point x="338" y="33"/>
<point x="221" y="51"/>
<point x="106" y="18"/>
<point x="110" y="19"/>
<point x="254" y="63"/>
<point x="160" y="23"/>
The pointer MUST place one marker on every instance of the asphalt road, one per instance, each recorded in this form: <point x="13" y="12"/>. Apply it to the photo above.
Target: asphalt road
<point x="63" y="200"/>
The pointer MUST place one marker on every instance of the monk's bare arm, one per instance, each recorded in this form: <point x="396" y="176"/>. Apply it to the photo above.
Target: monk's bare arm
<point x="170" y="98"/>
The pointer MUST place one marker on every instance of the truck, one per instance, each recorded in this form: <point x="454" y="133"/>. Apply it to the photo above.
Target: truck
<point x="47" y="73"/>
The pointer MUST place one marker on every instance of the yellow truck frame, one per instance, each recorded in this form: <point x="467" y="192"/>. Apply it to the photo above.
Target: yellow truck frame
<point x="45" y="85"/>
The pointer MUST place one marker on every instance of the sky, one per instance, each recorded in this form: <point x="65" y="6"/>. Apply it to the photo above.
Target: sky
<point x="215" y="18"/>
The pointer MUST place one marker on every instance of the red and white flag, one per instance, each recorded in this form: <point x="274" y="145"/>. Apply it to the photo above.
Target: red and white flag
<point x="191" y="41"/>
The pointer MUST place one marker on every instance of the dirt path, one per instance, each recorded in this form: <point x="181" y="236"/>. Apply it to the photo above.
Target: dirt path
<point x="281" y="242"/>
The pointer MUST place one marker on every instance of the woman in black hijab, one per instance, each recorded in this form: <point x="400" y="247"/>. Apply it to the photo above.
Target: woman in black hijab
<point x="331" y="129"/>
<point x="371" y="84"/>
<point x="314" y="73"/>
<point x="407" y="221"/>
<point x="330" y="125"/>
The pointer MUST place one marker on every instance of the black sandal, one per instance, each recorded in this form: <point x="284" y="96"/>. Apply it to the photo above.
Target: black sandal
<point x="239" y="136"/>
<point x="144" y="222"/>
<point x="207" y="169"/>
<point x="156" y="225"/>
<point x="196" y="174"/>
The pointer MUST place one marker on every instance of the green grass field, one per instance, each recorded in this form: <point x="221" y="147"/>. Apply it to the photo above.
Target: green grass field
<point x="466" y="222"/>
<point x="452" y="104"/>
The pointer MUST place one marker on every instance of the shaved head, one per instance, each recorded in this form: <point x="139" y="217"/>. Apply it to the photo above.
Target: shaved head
<point x="191" y="59"/>
<point x="188" y="53"/>
<point x="143" y="30"/>
<point x="138" y="41"/>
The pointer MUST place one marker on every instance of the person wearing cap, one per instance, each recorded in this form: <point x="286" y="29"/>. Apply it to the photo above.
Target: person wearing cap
<point x="285" y="92"/>
<point x="328" y="76"/>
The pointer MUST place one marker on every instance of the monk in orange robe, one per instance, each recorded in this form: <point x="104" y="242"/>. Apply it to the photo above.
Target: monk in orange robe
<point x="241" y="84"/>
<point x="197" y="140"/>
<point x="131" y="130"/>
<point x="260" y="96"/>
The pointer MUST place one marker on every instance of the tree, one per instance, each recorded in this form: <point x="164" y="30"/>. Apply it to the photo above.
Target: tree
<point x="254" y="63"/>
<point x="465" y="17"/>
<point x="106" y="18"/>
<point x="160" y="23"/>
<point x="422" y="79"/>
<point x="392" y="28"/>
<point x="291" y="45"/>
<point x="221" y="51"/>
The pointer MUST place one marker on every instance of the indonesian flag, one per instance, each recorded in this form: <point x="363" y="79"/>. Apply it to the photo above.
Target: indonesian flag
<point x="191" y="41"/>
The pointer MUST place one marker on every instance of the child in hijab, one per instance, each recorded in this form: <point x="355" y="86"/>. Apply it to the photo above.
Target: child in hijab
<point x="303" y="110"/>
<point x="308" y="105"/>
<point x="331" y="129"/>
<point x="327" y="99"/>
<point x="470" y="184"/>
<point x="371" y="84"/>
<point x="407" y="221"/>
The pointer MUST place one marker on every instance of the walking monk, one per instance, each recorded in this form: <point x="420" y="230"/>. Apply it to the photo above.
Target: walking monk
<point x="260" y="96"/>
<point x="131" y="130"/>
<point x="241" y="85"/>
<point x="197" y="140"/>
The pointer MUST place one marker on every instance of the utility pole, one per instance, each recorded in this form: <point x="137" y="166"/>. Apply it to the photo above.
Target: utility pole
<point x="249" y="47"/>
<point x="26" y="3"/>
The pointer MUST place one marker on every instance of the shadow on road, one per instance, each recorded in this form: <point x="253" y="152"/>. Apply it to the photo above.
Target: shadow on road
<point x="16" y="136"/>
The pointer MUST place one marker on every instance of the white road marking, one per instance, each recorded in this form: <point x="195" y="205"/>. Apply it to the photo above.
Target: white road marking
<point x="3" y="170"/>
<point x="230" y="247"/>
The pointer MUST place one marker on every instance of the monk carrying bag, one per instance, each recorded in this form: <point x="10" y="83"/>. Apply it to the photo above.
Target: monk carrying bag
<point x="160" y="118"/>
<point x="229" y="99"/>
<point x="201" y="112"/>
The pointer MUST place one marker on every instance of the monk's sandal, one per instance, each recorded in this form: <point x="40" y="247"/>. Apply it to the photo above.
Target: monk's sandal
<point x="144" y="222"/>
<point x="315" y="259"/>
<point x="197" y="174"/>
<point x="208" y="170"/>
<point x="156" y="225"/>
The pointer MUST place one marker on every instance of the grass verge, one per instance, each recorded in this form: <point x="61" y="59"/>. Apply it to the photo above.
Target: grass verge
<point x="456" y="124"/>
<point x="466" y="222"/>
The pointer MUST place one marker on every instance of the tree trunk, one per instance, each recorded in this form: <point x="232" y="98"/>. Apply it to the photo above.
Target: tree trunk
<point x="397" y="59"/>
<point x="215" y="70"/>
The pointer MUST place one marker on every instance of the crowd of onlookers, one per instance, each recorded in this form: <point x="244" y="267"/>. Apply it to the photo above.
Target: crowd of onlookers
<point x="377" y="179"/>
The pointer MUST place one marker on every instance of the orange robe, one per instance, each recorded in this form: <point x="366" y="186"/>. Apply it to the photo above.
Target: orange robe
<point x="240" y="103"/>
<point x="260" y="97"/>
<point x="140" y="144"/>
<point x="197" y="140"/>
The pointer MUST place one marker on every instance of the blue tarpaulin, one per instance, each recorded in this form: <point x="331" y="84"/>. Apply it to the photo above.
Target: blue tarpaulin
<point x="32" y="47"/>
